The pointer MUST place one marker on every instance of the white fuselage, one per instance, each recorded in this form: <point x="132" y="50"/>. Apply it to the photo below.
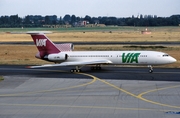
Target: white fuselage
<point x="118" y="57"/>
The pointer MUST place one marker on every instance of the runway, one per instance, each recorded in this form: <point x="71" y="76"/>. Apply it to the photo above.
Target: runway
<point x="110" y="92"/>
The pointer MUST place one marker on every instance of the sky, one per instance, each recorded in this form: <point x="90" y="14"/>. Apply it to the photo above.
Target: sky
<point x="93" y="8"/>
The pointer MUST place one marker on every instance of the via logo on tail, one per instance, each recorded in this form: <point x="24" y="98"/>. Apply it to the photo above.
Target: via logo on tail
<point x="41" y="42"/>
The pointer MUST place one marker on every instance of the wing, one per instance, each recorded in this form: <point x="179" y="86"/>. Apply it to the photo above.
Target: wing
<point x="74" y="63"/>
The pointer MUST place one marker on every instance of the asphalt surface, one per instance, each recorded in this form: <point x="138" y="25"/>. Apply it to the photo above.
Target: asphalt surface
<point x="112" y="72"/>
<point x="117" y="92"/>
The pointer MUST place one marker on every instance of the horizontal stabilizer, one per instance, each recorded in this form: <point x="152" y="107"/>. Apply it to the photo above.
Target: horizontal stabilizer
<point x="39" y="32"/>
<point x="31" y="32"/>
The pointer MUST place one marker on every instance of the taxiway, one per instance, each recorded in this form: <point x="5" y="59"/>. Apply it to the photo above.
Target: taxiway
<point x="111" y="92"/>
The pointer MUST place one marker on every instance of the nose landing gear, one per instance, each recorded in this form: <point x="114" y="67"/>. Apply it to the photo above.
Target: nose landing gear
<point x="150" y="68"/>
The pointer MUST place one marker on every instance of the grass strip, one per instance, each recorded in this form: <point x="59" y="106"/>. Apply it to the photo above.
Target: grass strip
<point x="1" y="78"/>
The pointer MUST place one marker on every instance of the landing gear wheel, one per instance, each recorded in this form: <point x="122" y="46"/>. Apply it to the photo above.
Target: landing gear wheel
<point x="75" y="70"/>
<point x="72" y="70"/>
<point x="150" y="68"/>
<point x="96" y="68"/>
<point x="79" y="70"/>
<point x="150" y="71"/>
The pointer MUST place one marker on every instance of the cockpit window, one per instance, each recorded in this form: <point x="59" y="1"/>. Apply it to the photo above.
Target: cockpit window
<point x="165" y="55"/>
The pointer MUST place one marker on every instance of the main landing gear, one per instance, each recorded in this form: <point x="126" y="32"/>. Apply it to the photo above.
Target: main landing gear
<point x="150" y="68"/>
<point x="78" y="68"/>
<point x="97" y="67"/>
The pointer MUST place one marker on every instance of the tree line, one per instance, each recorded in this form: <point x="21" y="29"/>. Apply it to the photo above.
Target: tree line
<point x="75" y="21"/>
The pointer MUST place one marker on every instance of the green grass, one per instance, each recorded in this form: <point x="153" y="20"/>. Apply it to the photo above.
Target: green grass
<point x="92" y="29"/>
<point x="1" y="78"/>
<point x="72" y="29"/>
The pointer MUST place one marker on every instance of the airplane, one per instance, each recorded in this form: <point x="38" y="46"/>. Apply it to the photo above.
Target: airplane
<point x="63" y="55"/>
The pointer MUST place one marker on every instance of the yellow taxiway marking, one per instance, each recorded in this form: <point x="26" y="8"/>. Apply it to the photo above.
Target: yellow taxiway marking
<point x="87" y="107"/>
<point x="52" y="90"/>
<point x="95" y="79"/>
<point x="140" y="95"/>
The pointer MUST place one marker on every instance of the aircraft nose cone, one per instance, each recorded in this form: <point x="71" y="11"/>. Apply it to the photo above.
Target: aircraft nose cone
<point x="173" y="60"/>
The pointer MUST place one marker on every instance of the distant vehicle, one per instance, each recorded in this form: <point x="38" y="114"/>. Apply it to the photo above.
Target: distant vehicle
<point x="63" y="55"/>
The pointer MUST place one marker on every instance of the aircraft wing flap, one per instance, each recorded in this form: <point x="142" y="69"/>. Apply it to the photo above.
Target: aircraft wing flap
<point x="74" y="63"/>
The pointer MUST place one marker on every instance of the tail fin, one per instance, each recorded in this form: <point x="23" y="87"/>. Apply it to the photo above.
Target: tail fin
<point x="44" y="44"/>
